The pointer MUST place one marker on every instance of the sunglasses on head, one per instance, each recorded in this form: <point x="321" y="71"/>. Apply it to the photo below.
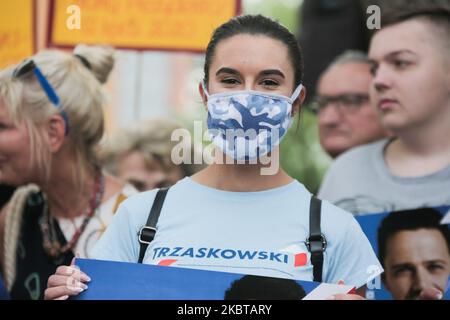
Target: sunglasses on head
<point x="28" y="66"/>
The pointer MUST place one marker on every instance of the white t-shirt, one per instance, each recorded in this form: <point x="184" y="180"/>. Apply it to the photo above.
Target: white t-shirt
<point x="259" y="233"/>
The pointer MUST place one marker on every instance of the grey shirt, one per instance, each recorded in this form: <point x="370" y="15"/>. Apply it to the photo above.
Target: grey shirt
<point x="359" y="181"/>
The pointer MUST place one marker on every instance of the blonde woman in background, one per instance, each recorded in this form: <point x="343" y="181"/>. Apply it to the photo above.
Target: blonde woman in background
<point x="51" y="121"/>
<point x="141" y="156"/>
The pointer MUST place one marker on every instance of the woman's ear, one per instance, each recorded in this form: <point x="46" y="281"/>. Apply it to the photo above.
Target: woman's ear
<point x="298" y="102"/>
<point x="202" y="94"/>
<point x="56" y="132"/>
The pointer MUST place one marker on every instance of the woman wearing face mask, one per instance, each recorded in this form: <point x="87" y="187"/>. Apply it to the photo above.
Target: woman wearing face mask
<point x="51" y="121"/>
<point x="230" y="216"/>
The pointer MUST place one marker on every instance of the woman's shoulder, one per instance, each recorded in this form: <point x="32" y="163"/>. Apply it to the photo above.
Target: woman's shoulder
<point x="337" y="222"/>
<point x="26" y="197"/>
<point x="140" y="199"/>
<point x="333" y="212"/>
<point x="140" y="203"/>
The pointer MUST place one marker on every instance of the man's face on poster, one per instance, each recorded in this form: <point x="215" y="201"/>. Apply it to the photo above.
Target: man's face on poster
<point x="416" y="260"/>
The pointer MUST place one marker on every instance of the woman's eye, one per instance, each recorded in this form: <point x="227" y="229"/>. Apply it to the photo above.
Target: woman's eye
<point x="269" y="82"/>
<point x="230" y="81"/>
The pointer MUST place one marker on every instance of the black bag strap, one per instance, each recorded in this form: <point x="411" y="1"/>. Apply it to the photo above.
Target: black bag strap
<point x="316" y="242"/>
<point x="147" y="232"/>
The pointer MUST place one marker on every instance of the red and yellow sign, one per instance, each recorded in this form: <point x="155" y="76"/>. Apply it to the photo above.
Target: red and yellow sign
<point x="140" y="24"/>
<point x="16" y="31"/>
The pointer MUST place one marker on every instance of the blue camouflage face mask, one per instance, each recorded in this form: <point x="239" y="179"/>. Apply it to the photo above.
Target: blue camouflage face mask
<point x="248" y="124"/>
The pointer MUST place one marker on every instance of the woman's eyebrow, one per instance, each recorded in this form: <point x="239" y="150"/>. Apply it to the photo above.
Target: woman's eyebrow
<point x="227" y="71"/>
<point x="271" y="72"/>
<point x="268" y="72"/>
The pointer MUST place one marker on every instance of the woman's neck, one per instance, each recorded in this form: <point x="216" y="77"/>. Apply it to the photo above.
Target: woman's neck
<point x="242" y="177"/>
<point x="66" y="198"/>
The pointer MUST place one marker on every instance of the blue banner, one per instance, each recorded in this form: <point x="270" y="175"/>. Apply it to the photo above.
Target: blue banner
<point x="132" y="281"/>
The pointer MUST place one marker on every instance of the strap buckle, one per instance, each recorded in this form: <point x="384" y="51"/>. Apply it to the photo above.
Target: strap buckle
<point x="315" y="239"/>
<point x="146" y="234"/>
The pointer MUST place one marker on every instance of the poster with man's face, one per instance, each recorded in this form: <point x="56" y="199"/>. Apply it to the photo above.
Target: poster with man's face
<point x="413" y="247"/>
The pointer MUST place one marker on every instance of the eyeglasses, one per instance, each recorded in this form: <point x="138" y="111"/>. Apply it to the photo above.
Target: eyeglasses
<point x="346" y="103"/>
<point x="28" y="66"/>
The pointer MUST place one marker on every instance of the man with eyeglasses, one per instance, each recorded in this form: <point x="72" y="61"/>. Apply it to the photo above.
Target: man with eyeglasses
<point x="346" y="118"/>
<point x="410" y="90"/>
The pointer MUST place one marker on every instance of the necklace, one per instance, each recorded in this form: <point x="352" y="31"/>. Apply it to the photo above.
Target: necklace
<point x="50" y="241"/>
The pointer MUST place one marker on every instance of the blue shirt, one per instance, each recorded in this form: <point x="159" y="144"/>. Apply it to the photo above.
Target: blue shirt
<point x="259" y="233"/>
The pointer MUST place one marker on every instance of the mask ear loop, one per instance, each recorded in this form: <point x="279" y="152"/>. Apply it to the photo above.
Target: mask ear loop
<point x="294" y="97"/>
<point x="296" y="93"/>
<point x="204" y="89"/>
